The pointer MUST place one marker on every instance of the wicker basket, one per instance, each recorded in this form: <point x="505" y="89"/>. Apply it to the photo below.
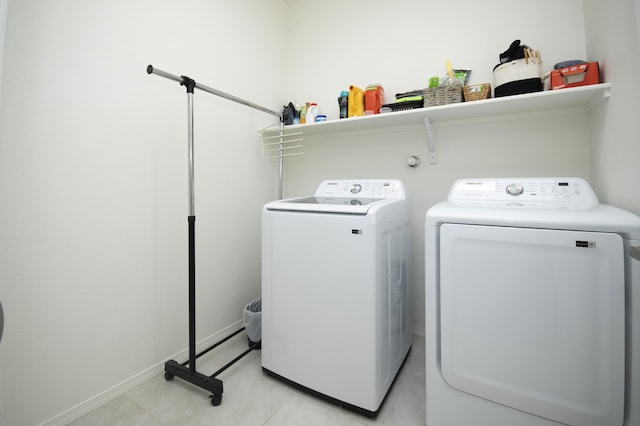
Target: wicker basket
<point x="477" y="92"/>
<point x="443" y="95"/>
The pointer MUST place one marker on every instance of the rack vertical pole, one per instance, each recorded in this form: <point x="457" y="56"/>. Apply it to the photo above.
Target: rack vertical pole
<point x="190" y="84"/>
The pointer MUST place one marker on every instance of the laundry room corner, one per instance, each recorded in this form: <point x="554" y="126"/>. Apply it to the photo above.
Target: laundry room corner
<point x="614" y="127"/>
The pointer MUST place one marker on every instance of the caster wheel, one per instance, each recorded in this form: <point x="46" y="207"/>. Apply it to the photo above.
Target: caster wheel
<point x="215" y="400"/>
<point x="168" y="376"/>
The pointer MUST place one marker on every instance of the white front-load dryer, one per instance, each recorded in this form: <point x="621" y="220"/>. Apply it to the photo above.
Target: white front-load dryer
<point x="532" y="314"/>
<point x="336" y="318"/>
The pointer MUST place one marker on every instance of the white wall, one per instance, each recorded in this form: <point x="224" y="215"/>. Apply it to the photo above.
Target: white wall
<point x="93" y="156"/>
<point x="616" y="128"/>
<point x="404" y="42"/>
<point x="93" y="183"/>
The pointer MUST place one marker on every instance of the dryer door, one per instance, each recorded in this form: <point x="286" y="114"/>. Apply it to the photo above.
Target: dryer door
<point x="534" y="319"/>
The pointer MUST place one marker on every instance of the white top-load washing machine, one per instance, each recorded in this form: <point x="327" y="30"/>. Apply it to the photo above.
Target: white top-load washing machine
<point x="336" y="317"/>
<point x="532" y="306"/>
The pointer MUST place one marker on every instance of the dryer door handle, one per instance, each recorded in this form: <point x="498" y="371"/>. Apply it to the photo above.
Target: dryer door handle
<point x="635" y="252"/>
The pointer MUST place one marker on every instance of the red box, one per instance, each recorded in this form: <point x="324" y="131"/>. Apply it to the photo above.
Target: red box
<point x="575" y="75"/>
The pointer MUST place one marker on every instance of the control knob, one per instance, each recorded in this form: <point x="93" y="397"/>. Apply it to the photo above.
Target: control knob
<point x="515" y="189"/>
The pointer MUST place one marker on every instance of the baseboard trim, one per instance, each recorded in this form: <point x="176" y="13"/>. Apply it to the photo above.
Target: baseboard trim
<point x="102" y="398"/>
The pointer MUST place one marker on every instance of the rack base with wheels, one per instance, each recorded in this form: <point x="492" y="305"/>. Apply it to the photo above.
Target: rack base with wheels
<point x="186" y="372"/>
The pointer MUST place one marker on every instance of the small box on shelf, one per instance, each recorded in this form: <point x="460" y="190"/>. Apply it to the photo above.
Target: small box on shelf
<point x="575" y="75"/>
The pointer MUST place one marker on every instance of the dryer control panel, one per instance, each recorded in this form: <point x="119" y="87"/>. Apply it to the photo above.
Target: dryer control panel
<point x="555" y="192"/>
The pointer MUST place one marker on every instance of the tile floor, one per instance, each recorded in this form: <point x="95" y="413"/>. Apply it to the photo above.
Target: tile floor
<point x="252" y="398"/>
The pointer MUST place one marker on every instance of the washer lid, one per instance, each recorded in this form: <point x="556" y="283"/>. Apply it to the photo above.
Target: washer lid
<point x="359" y="206"/>
<point x="346" y="196"/>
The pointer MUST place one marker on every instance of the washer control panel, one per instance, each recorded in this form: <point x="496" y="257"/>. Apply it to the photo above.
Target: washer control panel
<point x="361" y="188"/>
<point x="559" y="192"/>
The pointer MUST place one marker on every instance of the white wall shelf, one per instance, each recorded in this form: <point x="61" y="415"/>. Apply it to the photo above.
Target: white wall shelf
<point x="539" y="104"/>
<point x="550" y="102"/>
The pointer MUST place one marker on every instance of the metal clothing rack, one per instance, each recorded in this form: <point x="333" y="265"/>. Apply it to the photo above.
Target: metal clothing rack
<point x="187" y="370"/>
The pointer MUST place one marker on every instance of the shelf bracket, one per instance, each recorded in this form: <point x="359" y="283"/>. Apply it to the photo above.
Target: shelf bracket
<point x="431" y="143"/>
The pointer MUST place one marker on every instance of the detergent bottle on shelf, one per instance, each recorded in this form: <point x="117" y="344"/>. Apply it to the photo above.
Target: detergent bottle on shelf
<point x="356" y="101"/>
<point x="373" y="99"/>
<point x="343" y="101"/>
<point x="296" y="117"/>
<point x="303" y="114"/>
<point x="312" y="112"/>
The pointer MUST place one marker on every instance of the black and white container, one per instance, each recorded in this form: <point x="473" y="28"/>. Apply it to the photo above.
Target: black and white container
<point x="516" y="77"/>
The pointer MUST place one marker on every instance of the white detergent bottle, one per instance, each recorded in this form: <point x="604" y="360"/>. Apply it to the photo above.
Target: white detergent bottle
<point x="312" y="112"/>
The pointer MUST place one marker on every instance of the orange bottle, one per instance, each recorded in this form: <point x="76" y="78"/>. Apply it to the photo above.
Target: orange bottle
<point x="373" y="99"/>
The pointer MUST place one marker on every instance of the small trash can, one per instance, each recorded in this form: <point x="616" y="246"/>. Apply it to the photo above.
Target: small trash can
<point x="252" y="319"/>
